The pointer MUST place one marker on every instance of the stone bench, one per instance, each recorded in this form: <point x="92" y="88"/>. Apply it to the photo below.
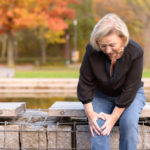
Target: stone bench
<point x="76" y="109"/>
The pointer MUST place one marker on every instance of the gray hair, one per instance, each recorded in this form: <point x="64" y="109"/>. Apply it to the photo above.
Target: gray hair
<point x="110" y="23"/>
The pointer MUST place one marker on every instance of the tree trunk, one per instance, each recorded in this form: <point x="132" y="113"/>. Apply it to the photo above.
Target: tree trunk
<point x="10" y="52"/>
<point x="4" y="46"/>
<point x="146" y="34"/>
<point x="15" y="49"/>
<point x="43" y="50"/>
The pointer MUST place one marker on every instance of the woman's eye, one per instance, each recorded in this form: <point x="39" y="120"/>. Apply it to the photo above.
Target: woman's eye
<point x="103" y="46"/>
<point x="112" y="45"/>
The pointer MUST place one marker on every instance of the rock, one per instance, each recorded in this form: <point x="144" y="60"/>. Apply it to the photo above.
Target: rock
<point x="9" y="137"/>
<point x="59" y="136"/>
<point x="33" y="137"/>
<point x="146" y="137"/>
<point x="11" y="108"/>
<point x="83" y="137"/>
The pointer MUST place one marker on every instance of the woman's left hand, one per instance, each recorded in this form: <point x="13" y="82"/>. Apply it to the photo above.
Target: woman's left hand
<point x="110" y="120"/>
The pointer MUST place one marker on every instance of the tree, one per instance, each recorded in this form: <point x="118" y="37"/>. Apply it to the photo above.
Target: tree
<point x="46" y="15"/>
<point x="58" y="16"/>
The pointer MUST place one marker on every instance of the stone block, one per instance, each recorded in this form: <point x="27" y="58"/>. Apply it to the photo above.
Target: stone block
<point x="146" y="137"/>
<point x="33" y="137"/>
<point x="83" y="137"/>
<point x="9" y="137"/>
<point x="59" y="137"/>
<point x="9" y="109"/>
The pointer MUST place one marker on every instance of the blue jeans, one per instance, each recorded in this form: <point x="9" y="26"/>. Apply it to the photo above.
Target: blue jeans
<point x="128" y="121"/>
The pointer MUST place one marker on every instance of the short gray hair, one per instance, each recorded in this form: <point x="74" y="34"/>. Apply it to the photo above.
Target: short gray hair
<point x="108" y="24"/>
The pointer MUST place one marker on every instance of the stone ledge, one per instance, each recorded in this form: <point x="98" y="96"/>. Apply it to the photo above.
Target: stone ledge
<point x="76" y="109"/>
<point x="12" y="109"/>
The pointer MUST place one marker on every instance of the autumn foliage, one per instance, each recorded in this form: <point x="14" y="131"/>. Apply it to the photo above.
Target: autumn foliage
<point x="50" y="17"/>
<point x="18" y="14"/>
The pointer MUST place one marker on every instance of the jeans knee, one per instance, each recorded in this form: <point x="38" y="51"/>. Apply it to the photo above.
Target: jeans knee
<point x="100" y="122"/>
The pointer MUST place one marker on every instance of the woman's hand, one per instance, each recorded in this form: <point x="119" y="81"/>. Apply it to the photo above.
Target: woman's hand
<point x="92" y="117"/>
<point x="110" y="121"/>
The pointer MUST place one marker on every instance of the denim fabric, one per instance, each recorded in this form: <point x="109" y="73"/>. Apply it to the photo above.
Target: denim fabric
<point x="128" y="121"/>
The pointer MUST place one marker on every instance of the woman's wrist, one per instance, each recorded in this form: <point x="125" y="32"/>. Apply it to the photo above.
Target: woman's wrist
<point x="117" y="113"/>
<point x="88" y="109"/>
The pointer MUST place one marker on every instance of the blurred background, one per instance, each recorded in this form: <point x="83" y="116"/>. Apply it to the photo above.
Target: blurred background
<point x="47" y="38"/>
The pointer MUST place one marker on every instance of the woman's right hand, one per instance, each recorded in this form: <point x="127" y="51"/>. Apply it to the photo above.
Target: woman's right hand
<point x="92" y="118"/>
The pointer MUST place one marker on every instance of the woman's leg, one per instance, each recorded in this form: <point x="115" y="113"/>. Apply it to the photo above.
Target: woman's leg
<point x="104" y="104"/>
<point x="128" y="122"/>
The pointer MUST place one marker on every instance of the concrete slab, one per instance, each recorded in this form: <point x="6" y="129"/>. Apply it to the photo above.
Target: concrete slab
<point x="9" y="109"/>
<point x="76" y="109"/>
<point x="71" y="109"/>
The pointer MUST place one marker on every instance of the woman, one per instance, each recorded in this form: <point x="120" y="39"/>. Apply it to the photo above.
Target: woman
<point x="110" y="86"/>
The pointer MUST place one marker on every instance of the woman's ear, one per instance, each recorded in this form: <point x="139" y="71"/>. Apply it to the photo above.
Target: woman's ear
<point x="124" y="39"/>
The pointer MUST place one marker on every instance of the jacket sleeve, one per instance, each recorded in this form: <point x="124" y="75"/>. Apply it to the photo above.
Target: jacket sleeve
<point x="132" y="83"/>
<point x="86" y="84"/>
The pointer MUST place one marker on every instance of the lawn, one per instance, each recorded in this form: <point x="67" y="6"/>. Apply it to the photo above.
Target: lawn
<point x="56" y="72"/>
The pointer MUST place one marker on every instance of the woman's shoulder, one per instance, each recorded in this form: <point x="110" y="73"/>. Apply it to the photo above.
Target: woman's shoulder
<point x="89" y="49"/>
<point x="134" y="48"/>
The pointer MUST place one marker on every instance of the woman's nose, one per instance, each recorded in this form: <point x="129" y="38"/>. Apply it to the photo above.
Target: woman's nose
<point x="108" y="50"/>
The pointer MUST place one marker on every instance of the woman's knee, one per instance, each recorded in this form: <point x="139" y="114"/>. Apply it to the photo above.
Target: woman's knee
<point x="100" y="122"/>
<point x="99" y="142"/>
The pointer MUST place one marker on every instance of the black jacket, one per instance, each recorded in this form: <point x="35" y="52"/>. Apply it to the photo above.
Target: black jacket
<point x="126" y="79"/>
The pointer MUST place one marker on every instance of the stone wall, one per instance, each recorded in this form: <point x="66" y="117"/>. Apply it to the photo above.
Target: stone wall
<point x="54" y="136"/>
<point x="36" y="130"/>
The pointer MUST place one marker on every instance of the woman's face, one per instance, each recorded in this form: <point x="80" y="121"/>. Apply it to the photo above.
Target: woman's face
<point x="112" y="45"/>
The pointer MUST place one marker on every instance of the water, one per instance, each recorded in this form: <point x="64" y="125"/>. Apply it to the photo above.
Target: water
<point x="35" y="103"/>
<point x="43" y="103"/>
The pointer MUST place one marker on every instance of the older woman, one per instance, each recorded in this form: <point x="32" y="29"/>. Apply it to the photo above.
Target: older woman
<point x="110" y="85"/>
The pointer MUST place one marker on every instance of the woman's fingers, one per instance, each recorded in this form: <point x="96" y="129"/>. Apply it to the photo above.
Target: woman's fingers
<point x="92" y="128"/>
<point x="95" y="129"/>
<point x="103" y="126"/>
<point x="102" y="116"/>
<point x="91" y="131"/>
<point x="105" y="132"/>
<point x="96" y="126"/>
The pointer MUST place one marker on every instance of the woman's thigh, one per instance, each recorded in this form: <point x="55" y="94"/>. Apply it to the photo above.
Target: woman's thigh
<point x="131" y="114"/>
<point x="103" y="103"/>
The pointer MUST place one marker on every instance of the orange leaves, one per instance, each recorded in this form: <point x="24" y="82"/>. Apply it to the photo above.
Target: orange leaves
<point x="57" y="24"/>
<point x="18" y="14"/>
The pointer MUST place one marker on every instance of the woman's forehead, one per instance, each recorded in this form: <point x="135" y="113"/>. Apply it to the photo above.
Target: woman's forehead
<point x="113" y="38"/>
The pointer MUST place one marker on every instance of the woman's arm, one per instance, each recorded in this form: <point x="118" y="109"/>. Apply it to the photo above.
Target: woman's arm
<point x="117" y="112"/>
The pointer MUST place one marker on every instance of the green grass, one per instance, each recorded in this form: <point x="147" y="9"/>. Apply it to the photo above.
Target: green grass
<point x="56" y="72"/>
<point x="146" y="74"/>
<point x="61" y="72"/>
